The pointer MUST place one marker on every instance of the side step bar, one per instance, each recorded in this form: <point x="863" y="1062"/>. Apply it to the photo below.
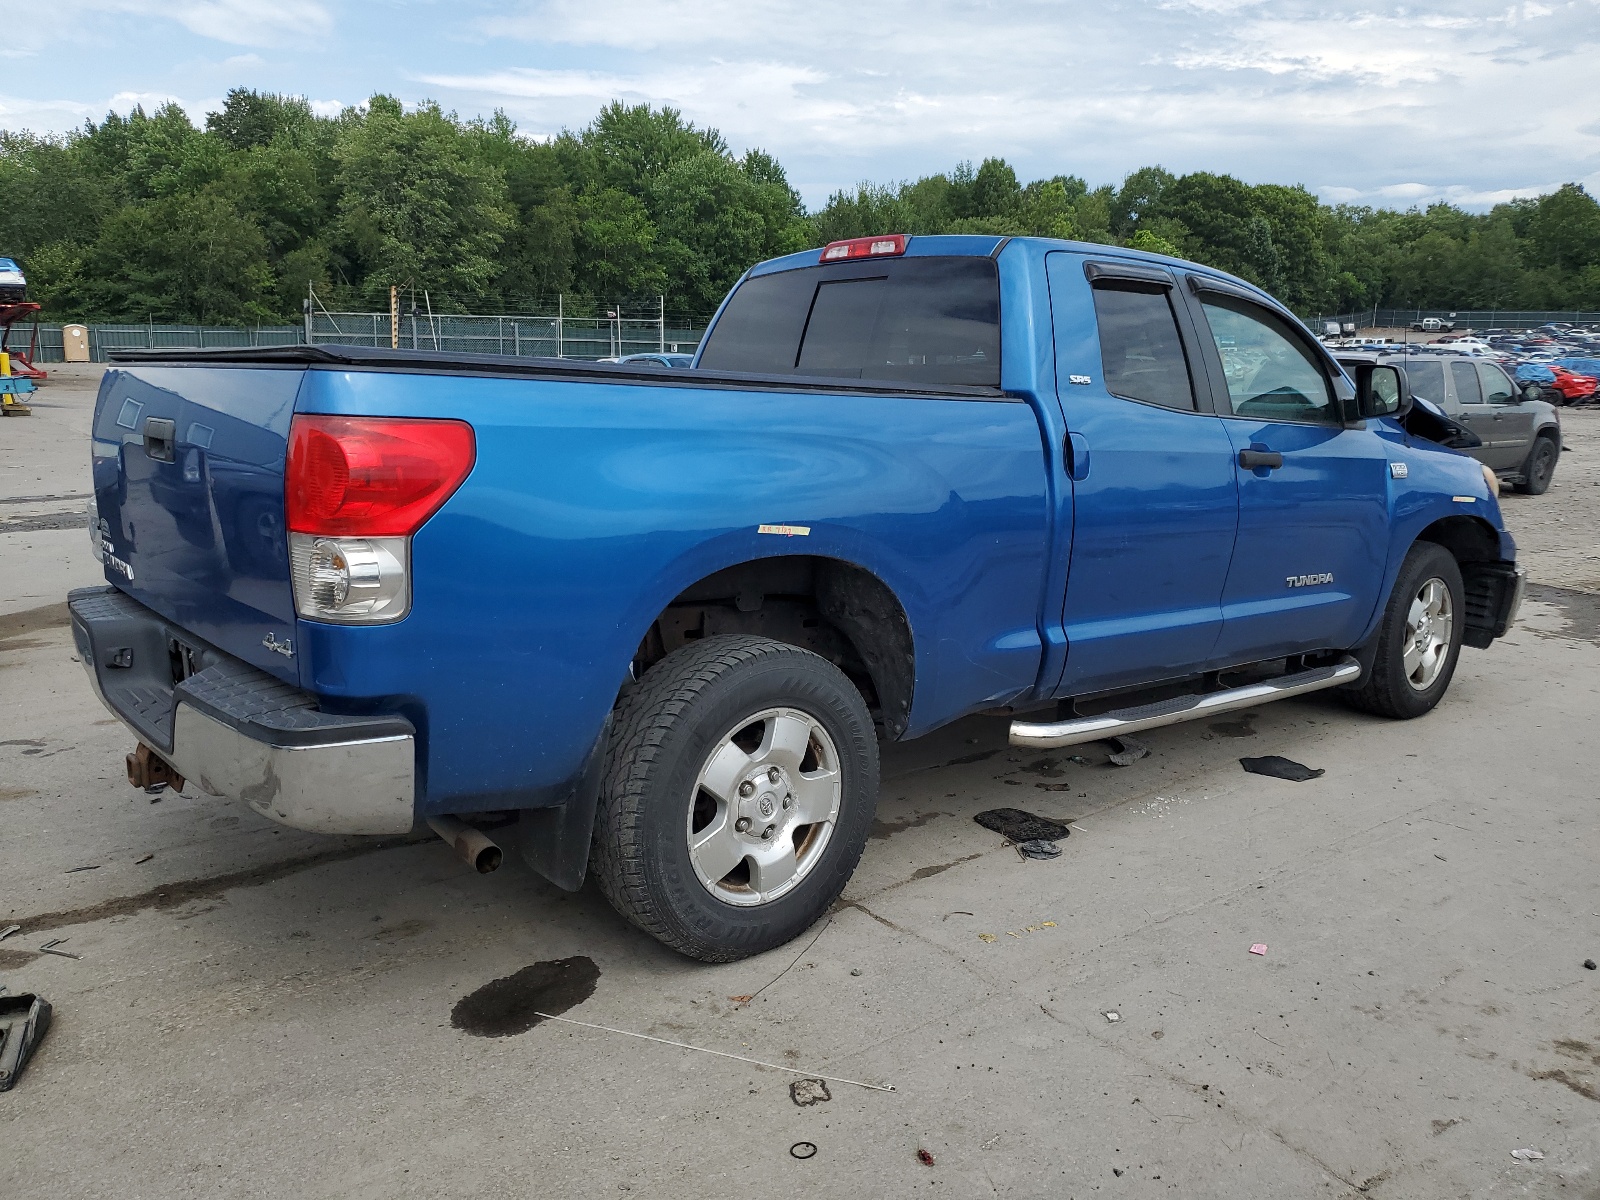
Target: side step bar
<point x="1049" y="736"/>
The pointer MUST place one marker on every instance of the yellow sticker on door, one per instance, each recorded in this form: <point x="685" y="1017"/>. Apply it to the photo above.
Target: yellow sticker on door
<point x="785" y="530"/>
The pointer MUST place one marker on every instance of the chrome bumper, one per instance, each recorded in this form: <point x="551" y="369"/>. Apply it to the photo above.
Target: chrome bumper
<point x="364" y="786"/>
<point x="1515" y="605"/>
<point x="235" y="731"/>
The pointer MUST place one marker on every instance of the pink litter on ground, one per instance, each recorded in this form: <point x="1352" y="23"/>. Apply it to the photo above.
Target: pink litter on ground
<point x="1259" y="948"/>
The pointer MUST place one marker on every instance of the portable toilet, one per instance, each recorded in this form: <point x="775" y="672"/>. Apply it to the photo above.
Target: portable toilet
<point x="75" y="343"/>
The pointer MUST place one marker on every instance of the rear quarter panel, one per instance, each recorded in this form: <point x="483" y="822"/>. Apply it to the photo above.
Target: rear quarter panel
<point x="592" y="505"/>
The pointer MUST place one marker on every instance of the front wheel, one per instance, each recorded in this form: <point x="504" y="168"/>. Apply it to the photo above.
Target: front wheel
<point x="1419" y="638"/>
<point x="739" y="789"/>
<point x="1540" y="468"/>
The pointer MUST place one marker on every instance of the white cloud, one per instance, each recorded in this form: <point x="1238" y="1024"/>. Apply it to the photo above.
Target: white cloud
<point x="237" y="22"/>
<point x="1385" y="101"/>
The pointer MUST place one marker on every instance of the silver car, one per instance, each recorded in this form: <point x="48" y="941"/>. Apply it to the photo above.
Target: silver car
<point x="1520" y="435"/>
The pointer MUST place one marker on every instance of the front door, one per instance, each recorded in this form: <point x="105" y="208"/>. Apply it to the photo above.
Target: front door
<point x="1508" y="418"/>
<point x="1313" y="494"/>
<point x="1155" y="503"/>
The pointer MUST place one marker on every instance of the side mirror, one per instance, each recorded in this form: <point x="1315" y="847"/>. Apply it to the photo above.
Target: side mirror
<point x="1532" y="391"/>
<point x="1381" y="392"/>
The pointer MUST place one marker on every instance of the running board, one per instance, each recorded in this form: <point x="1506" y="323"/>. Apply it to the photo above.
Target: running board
<point x="1049" y="736"/>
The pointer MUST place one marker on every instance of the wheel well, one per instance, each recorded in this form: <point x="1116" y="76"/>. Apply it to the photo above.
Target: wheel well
<point x="1484" y="577"/>
<point x="1468" y="539"/>
<point x="832" y="608"/>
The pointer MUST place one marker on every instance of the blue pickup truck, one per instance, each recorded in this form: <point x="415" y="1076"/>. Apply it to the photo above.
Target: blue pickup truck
<point x="651" y="624"/>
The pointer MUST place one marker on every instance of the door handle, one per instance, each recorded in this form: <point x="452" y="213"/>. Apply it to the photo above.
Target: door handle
<point x="1252" y="460"/>
<point x="160" y="436"/>
<point x="1075" y="448"/>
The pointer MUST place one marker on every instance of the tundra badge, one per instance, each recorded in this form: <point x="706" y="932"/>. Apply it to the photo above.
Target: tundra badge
<point x="1295" y="581"/>
<point x="285" y="648"/>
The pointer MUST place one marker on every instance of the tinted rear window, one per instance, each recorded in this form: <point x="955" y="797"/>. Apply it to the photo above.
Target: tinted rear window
<point x="928" y="321"/>
<point x="1426" y="379"/>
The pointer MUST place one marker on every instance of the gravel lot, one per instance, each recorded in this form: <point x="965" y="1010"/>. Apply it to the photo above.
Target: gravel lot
<point x="259" y="1012"/>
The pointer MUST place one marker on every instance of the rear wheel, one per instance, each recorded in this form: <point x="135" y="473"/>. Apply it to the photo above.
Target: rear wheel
<point x="1540" y="468"/>
<point x="1419" y="638"/>
<point x="739" y="790"/>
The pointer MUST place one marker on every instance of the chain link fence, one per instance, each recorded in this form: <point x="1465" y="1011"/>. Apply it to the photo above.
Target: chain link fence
<point x="1460" y="319"/>
<point x="535" y="336"/>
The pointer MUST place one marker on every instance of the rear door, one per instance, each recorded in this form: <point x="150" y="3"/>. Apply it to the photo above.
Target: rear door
<point x="1313" y="495"/>
<point x="188" y="477"/>
<point x="1155" y="504"/>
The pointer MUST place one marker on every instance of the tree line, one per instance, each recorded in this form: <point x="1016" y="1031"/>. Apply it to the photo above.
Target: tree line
<point x="149" y="217"/>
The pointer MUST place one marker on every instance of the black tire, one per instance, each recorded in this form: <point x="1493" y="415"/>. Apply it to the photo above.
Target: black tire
<point x="1540" y="468"/>
<point x="1387" y="690"/>
<point x="663" y="734"/>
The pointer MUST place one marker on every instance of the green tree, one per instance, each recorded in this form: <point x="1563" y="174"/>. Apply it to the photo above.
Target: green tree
<point x="414" y="205"/>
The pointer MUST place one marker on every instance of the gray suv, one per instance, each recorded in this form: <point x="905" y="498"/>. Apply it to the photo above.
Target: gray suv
<point x="1521" y="436"/>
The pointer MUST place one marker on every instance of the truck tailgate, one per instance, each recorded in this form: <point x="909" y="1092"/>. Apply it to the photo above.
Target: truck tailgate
<point x="188" y="481"/>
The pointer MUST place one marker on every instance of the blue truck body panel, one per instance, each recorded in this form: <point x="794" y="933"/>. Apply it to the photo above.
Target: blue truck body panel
<point x="590" y="508"/>
<point x="1044" y="539"/>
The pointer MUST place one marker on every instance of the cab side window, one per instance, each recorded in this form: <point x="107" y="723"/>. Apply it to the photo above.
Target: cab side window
<point x="1271" y="373"/>
<point x="1464" y="376"/>
<point x="1141" y="351"/>
<point x="1497" y="386"/>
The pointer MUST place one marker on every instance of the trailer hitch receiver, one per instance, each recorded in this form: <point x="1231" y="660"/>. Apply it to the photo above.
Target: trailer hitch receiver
<point x="148" y="770"/>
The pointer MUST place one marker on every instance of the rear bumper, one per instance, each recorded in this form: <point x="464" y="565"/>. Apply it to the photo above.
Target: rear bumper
<point x="236" y="731"/>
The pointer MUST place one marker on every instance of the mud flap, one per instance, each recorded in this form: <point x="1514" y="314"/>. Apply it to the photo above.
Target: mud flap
<point x="555" y="841"/>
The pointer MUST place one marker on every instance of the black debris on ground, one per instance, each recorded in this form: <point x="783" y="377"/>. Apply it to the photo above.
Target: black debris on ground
<point x="1279" y="767"/>
<point x="1018" y="826"/>
<point x="1125" y="751"/>
<point x="1588" y="964"/>
<point x="24" y="1020"/>
<point x="1038" y="848"/>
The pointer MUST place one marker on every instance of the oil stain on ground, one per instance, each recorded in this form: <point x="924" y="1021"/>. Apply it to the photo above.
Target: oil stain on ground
<point x="1243" y="727"/>
<point x="508" y="1006"/>
<point x="887" y="829"/>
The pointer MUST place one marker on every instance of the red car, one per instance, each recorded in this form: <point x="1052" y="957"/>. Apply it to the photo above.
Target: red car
<point x="1572" y="386"/>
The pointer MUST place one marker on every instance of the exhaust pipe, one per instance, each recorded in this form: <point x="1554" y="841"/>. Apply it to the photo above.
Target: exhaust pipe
<point x="469" y="843"/>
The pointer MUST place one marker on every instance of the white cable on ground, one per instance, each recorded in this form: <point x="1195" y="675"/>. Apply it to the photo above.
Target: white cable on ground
<point x="876" y="1087"/>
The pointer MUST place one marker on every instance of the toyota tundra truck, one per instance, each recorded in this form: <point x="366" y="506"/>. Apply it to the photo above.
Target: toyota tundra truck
<point x="650" y="625"/>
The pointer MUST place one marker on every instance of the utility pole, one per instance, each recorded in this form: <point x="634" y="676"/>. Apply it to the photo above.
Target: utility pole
<point x="661" y="324"/>
<point x="394" y="316"/>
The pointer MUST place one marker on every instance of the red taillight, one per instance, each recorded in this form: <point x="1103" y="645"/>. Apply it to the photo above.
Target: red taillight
<point x="372" y="476"/>
<point x="885" y="245"/>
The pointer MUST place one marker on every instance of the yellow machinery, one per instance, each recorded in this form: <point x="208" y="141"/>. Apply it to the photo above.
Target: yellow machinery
<point x="13" y="390"/>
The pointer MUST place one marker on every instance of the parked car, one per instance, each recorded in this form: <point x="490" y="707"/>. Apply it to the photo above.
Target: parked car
<point x="1432" y="325"/>
<point x="1520" y="434"/>
<point x="1572" y="387"/>
<point x="660" y="620"/>
<point x="663" y="360"/>
<point x="13" y="284"/>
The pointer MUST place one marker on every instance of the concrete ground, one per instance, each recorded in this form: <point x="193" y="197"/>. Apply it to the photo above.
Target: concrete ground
<point x="259" y="1012"/>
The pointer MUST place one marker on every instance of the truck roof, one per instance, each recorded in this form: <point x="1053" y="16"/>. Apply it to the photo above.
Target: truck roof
<point x="986" y="245"/>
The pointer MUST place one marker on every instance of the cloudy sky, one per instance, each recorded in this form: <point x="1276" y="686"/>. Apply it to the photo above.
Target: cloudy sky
<point x="1375" y="102"/>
